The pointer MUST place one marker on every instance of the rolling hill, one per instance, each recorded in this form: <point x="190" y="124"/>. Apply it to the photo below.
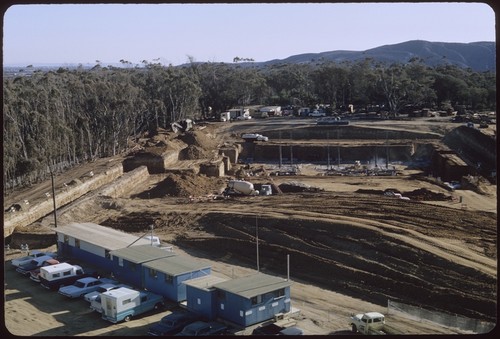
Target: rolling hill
<point x="479" y="56"/>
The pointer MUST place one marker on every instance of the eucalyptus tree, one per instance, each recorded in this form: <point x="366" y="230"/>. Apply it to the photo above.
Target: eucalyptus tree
<point x="361" y="83"/>
<point x="292" y="83"/>
<point x="331" y="83"/>
<point x="450" y="85"/>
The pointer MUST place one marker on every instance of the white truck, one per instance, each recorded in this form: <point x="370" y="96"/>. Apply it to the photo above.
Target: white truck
<point x="240" y="187"/>
<point x="123" y="303"/>
<point x="368" y="323"/>
<point x="251" y="137"/>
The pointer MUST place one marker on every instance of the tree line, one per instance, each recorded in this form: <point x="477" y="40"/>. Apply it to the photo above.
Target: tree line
<point x="59" y="118"/>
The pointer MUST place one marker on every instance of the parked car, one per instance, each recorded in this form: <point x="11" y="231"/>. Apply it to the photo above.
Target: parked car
<point x="317" y="114"/>
<point x="83" y="286"/>
<point x="254" y="137"/>
<point x="244" y="117"/>
<point x="33" y="255"/>
<point x="102" y="288"/>
<point x="202" y="328"/>
<point x="33" y="264"/>
<point x="273" y="329"/>
<point x="173" y="323"/>
<point x="35" y="274"/>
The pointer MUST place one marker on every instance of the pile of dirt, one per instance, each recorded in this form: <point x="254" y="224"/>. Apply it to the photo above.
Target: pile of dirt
<point x="420" y="194"/>
<point x="184" y="185"/>
<point x="200" y="139"/>
<point x="193" y="152"/>
<point x="423" y="194"/>
<point x="295" y="187"/>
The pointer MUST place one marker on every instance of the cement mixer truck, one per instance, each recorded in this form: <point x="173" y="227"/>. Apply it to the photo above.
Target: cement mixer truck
<point x="240" y="187"/>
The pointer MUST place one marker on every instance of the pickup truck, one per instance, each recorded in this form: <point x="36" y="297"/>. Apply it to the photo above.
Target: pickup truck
<point x="101" y="289"/>
<point x="63" y="274"/>
<point x="33" y="255"/>
<point x="368" y="323"/>
<point x="123" y="303"/>
<point x="83" y="286"/>
<point x="33" y="264"/>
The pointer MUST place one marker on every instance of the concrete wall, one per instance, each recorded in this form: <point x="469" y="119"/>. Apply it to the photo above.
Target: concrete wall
<point x="214" y="169"/>
<point x="347" y="132"/>
<point x="321" y="153"/>
<point x="64" y="196"/>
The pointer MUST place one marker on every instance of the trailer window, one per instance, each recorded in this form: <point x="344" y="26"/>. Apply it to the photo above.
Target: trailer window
<point x="77" y="243"/>
<point x="126" y="301"/>
<point x="256" y="300"/>
<point x="153" y="273"/>
<point x="221" y="295"/>
<point x="169" y="279"/>
<point x="65" y="274"/>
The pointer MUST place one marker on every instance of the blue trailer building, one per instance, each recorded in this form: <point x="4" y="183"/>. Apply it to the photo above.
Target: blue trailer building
<point x="92" y="243"/>
<point x="253" y="299"/>
<point x="166" y="276"/>
<point x="201" y="296"/>
<point x="128" y="263"/>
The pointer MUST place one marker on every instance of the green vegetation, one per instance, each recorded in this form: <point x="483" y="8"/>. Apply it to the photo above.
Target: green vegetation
<point x="64" y="117"/>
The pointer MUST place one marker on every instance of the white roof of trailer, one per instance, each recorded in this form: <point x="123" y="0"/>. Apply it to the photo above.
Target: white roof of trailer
<point x="102" y="236"/>
<point x="204" y="283"/>
<point x="253" y="285"/>
<point x="58" y="267"/>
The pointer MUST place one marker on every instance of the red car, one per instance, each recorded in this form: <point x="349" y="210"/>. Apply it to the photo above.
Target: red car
<point x="34" y="274"/>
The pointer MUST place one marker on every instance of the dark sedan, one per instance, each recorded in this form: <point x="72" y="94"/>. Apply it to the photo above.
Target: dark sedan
<point x="172" y="323"/>
<point x="201" y="328"/>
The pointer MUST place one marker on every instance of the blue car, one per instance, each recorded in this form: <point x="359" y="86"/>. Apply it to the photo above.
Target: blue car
<point x="83" y="286"/>
<point x="172" y="323"/>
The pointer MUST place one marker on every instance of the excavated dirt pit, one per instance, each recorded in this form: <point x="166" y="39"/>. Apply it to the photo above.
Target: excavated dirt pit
<point x="361" y="244"/>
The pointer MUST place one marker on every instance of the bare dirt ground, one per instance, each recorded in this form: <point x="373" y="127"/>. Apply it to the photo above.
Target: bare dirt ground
<point x="351" y="249"/>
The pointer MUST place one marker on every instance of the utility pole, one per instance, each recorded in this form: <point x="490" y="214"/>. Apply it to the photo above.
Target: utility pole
<point x="53" y="195"/>
<point x="257" y="237"/>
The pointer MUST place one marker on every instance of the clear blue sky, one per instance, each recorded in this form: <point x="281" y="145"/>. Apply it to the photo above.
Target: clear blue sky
<point x="40" y="34"/>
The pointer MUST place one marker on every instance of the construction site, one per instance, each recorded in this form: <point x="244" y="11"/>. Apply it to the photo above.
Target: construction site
<point x="369" y="213"/>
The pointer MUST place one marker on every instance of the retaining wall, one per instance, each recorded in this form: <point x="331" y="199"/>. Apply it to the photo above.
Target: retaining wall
<point x="64" y="196"/>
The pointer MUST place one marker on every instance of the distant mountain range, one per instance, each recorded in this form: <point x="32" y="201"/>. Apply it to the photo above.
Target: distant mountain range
<point x="479" y="56"/>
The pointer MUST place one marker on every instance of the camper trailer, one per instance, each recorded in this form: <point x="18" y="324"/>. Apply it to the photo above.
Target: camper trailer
<point x="63" y="274"/>
<point x="123" y="303"/>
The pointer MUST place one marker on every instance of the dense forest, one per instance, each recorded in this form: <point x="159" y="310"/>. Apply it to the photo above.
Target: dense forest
<point x="56" y="119"/>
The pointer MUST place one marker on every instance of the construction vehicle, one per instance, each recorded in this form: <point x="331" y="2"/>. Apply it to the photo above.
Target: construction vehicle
<point x="240" y="187"/>
<point x="182" y="125"/>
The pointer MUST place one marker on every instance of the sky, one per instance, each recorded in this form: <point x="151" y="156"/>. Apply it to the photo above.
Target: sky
<point x="217" y="32"/>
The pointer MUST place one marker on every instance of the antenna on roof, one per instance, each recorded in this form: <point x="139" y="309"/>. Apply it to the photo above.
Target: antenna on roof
<point x="151" y="226"/>
<point x="288" y="267"/>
